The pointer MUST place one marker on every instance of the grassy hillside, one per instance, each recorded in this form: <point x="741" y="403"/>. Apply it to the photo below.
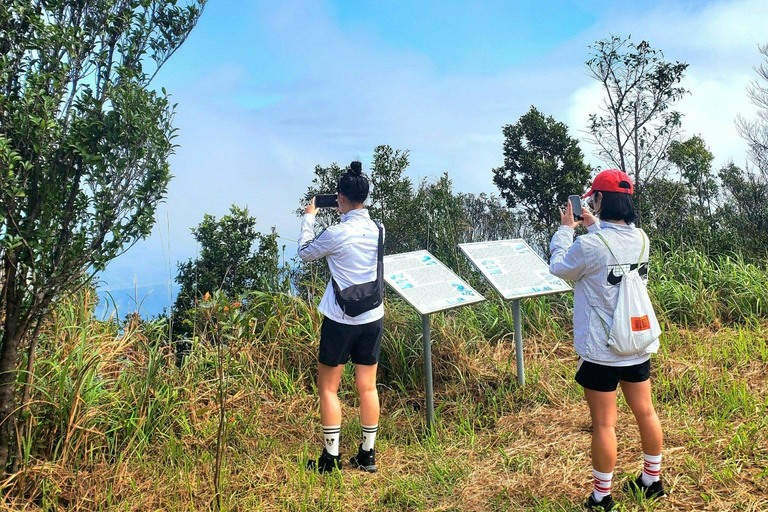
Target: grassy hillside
<point x="115" y="425"/>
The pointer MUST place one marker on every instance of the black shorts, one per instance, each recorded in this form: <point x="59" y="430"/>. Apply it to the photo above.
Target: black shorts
<point x="340" y="342"/>
<point x="600" y="377"/>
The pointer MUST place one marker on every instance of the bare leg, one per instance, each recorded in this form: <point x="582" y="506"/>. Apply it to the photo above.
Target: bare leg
<point x="365" y="378"/>
<point x="328" y="379"/>
<point x="602" y="408"/>
<point x="638" y="396"/>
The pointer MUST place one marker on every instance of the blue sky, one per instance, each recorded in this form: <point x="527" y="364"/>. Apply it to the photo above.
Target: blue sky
<point x="266" y="90"/>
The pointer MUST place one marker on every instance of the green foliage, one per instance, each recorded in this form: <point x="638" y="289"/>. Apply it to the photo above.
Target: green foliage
<point x="682" y="213"/>
<point x="84" y="142"/>
<point x="636" y="124"/>
<point x="391" y="195"/>
<point x="84" y="147"/>
<point x="431" y="216"/>
<point x="543" y="165"/>
<point x="744" y="213"/>
<point x="115" y="423"/>
<point x="694" y="161"/>
<point x="693" y="289"/>
<point x="234" y="259"/>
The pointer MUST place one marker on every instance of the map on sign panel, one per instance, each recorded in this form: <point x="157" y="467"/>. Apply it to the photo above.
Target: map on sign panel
<point x="426" y="283"/>
<point x="513" y="268"/>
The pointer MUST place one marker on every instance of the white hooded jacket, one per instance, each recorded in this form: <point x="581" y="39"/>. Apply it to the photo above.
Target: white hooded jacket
<point x="596" y="276"/>
<point x="351" y="249"/>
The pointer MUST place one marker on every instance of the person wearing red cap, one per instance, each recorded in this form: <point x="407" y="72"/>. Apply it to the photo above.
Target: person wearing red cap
<point x="596" y="262"/>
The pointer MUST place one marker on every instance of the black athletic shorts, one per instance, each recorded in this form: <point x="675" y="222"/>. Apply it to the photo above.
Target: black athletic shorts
<point x="600" y="377"/>
<point x="340" y="342"/>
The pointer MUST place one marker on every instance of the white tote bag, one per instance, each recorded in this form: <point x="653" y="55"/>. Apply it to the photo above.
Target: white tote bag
<point x="635" y="325"/>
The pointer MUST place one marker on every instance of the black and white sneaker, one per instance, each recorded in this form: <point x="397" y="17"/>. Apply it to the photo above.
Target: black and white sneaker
<point x="325" y="463"/>
<point x="654" y="491"/>
<point x="365" y="461"/>
<point x="604" y="505"/>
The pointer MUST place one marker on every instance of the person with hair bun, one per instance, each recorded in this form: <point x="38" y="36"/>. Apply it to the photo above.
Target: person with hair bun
<point x="596" y="263"/>
<point x="351" y="249"/>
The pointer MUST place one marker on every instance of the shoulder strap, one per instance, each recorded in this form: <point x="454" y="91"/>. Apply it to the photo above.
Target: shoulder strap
<point x="380" y="256"/>
<point x="642" y="251"/>
<point x="608" y="246"/>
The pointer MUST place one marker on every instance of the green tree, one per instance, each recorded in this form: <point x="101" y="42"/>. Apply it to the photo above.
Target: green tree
<point x="324" y="182"/>
<point x="488" y="218"/>
<point x="391" y="195"/>
<point x="756" y="132"/>
<point x="234" y="259"/>
<point x="694" y="161"/>
<point x="744" y="212"/>
<point x="84" y="143"/>
<point x="431" y="217"/>
<point x="636" y="124"/>
<point x="543" y="165"/>
<point x="439" y="219"/>
<point x="682" y="212"/>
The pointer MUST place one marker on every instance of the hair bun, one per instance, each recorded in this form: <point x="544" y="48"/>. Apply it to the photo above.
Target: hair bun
<point x="356" y="168"/>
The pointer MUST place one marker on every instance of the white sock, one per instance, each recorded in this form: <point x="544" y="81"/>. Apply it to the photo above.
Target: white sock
<point x="369" y="436"/>
<point x="651" y="468"/>
<point x="331" y="436"/>
<point x="602" y="484"/>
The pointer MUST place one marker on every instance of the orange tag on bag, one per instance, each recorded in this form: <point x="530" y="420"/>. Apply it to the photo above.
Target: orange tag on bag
<point x="640" y="323"/>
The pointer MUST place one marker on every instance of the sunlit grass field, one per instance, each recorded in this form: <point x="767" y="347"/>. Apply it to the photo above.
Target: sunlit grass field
<point x="116" y="425"/>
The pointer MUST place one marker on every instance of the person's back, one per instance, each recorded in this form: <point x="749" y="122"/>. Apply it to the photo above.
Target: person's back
<point x="351" y="249"/>
<point x="596" y="263"/>
<point x="596" y="283"/>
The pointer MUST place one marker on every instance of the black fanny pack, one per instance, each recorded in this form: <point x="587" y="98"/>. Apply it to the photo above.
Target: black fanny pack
<point x="359" y="298"/>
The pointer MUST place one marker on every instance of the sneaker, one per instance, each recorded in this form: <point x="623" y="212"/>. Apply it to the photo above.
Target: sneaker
<point x="604" y="505"/>
<point x="365" y="461"/>
<point x="325" y="463"/>
<point x="650" y="492"/>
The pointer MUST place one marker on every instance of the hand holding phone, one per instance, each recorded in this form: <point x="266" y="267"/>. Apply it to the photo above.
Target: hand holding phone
<point x="576" y="206"/>
<point x="326" y="201"/>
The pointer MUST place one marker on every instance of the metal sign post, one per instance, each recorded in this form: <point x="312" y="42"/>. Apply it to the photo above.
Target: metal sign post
<point x="518" y="341"/>
<point x="428" y="372"/>
<point x="429" y="286"/>
<point x="516" y="272"/>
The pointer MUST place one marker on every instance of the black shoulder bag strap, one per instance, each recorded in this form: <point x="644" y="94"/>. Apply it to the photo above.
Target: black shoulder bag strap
<point x="380" y="259"/>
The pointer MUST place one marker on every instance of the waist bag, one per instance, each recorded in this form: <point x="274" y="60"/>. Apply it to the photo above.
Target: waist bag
<point x="635" y="325"/>
<point x="359" y="298"/>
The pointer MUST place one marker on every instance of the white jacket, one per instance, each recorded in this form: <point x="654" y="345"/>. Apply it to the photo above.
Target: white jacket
<point x="596" y="277"/>
<point x="351" y="249"/>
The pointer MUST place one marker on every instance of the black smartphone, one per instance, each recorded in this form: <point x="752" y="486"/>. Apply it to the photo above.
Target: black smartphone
<point x="576" y="205"/>
<point x="326" y="201"/>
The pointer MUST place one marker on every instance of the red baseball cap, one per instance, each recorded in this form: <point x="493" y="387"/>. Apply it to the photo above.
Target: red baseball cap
<point x="611" y="180"/>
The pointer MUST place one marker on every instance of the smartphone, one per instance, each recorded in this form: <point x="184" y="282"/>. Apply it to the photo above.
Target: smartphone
<point x="576" y="205"/>
<point x="326" y="201"/>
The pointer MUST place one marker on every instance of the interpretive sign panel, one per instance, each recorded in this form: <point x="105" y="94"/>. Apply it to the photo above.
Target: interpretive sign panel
<point x="513" y="268"/>
<point x="426" y="284"/>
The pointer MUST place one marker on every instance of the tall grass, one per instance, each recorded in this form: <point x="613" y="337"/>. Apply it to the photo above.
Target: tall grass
<point x="115" y="424"/>
<point x="690" y="289"/>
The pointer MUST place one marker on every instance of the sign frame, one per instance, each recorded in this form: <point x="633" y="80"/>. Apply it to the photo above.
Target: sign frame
<point x="421" y="311"/>
<point x="425" y="327"/>
<point x="490" y="280"/>
<point x="516" y="310"/>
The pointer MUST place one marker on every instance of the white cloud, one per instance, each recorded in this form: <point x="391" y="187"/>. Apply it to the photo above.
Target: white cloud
<point x="719" y="42"/>
<point x="351" y="91"/>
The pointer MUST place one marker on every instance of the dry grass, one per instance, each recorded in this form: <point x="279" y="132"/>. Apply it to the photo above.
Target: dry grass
<point x="496" y="446"/>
